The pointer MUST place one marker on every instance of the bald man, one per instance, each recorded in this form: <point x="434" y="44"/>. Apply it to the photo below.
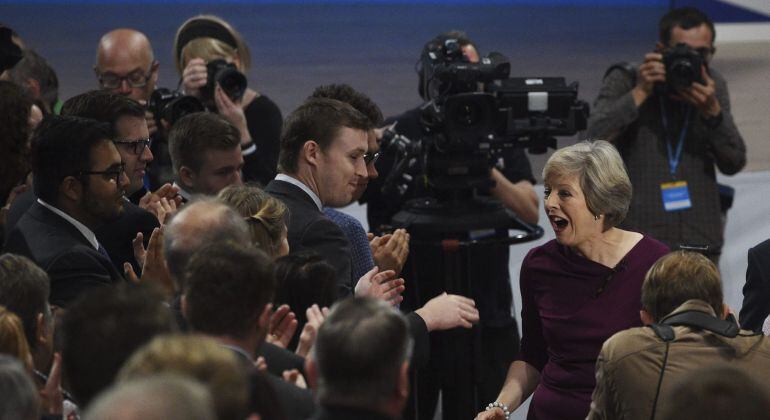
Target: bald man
<point x="125" y="64"/>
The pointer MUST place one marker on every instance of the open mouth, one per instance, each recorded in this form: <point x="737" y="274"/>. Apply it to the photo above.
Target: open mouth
<point x="558" y="223"/>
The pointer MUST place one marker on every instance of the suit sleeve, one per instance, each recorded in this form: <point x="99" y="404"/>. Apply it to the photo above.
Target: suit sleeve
<point x="325" y="238"/>
<point x="72" y="273"/>
<point x="756" y="291"/>
<point x="419" y="331"/>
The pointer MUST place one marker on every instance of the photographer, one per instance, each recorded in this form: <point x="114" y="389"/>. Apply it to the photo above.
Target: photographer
<point x="670" y="119"/>
<point x="206" y="48"/>
<point x="451" y="359"/>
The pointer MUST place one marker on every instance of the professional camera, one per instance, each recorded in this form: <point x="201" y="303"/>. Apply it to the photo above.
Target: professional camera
<point x="683" y="66"/>
<point x="225" y="74"/>
<point x="468" y="130"/>
<point x="170" y="105"/>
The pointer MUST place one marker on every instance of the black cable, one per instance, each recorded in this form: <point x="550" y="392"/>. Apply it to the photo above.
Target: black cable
<point x="660" y="382"/>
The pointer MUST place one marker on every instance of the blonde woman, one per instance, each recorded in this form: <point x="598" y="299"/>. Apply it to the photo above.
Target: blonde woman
<point x="204" y="39"/>
<point x="579" y="289"/>
<point x="265" y="215"/>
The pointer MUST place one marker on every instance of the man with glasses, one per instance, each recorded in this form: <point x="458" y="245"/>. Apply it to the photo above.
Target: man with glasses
<point x="80" y="181"/>
<point x="671" y="137"/>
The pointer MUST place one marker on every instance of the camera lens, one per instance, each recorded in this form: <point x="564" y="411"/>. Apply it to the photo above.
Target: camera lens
<point x="681" y="74"/>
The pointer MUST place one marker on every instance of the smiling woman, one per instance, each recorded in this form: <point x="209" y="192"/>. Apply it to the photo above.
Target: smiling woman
<point x="579" y="289"/>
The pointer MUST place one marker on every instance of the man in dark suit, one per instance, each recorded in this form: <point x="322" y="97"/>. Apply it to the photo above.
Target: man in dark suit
<point x="239" y="321"/>
<point x="131" y="137"/>
<point x="359" y="367"/>
<point x="80" y="181"/>
<point x="756" y="291"/>
<point x="321" y="162"/>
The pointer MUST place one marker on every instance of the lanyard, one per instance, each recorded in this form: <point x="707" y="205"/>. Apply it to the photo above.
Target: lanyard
<point x="674" y="158"/>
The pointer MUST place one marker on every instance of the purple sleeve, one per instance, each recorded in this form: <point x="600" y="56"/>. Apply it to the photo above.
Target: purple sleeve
<point x="533" y="348"/>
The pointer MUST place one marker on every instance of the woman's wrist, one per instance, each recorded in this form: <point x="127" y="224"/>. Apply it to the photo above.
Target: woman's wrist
<point x="500" y="407"/>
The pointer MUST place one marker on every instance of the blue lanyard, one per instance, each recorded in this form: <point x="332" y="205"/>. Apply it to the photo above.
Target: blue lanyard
<point x="674" y="158"/>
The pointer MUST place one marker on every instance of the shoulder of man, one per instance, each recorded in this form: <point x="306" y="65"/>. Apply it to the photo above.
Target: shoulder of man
<point x="628" y="343"/>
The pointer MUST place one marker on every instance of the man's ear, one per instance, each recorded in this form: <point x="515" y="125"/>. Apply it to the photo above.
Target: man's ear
<point x="187" y="177"/>
<point x="154" y="71"/>
<point x="33" y="86"/>
<point x="646" y="317"/>
<point x="725" y="311"/>
<point x="72" y="188"/>
<point x="311" y="372"/>
<point x="403" y="381"/>
<point x="41" y="330"/>
<point x="264" y="318"/>
<point x="183" y="305"/>
<point x="311" y="152"/>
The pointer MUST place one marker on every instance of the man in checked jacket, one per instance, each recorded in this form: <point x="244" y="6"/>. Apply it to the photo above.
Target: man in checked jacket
<point x="671" y="139"/>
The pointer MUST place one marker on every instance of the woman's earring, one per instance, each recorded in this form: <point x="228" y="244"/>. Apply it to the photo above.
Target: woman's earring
<point x="596" y="217"/>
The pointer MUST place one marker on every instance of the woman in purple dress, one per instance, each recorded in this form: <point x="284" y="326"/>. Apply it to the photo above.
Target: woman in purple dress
<point x="579" y="289"/>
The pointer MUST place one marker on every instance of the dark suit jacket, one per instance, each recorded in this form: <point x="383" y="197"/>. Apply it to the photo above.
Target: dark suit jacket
<point x="756" y="291"/>
<point x="279" y="359"/>
<point x="296" y="403"/>
<point x="310" y="230"/>
<point x="116" y="237"/>
<point x="55" y="245"/>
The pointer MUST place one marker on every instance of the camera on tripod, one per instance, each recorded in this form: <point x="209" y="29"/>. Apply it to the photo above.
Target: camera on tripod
<point x="476" y="115"/>
<point x="683" y="66"/>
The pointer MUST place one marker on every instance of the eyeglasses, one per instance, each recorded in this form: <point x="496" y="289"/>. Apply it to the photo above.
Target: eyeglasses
<point x="112" y="174"/>
<point x="371" y="158"/>
<point x="135" y="79"/>
<point x="135" y="146"/>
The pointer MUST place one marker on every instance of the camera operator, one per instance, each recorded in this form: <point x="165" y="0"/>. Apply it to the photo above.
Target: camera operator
<point x="211" y="58"/>
<point x="513" y="182"/>
<point x="670" y="119"/>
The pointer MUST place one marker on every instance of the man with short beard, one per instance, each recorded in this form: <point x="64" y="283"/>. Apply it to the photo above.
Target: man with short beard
<point x="80" y="182"/>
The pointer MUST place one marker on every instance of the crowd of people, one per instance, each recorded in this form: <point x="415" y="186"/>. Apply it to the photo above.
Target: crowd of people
<point x="194" y="265"/>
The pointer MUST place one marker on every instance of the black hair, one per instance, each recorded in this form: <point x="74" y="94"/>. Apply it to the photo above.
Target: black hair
<point x="685" y="18"/>
<point x="62" y="147"/>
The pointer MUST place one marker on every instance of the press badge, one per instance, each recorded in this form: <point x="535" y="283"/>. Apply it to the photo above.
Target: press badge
<point x="676" y="196"/>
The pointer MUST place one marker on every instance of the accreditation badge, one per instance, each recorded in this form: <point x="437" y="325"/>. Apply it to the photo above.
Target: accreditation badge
<point x="676" y="196"/>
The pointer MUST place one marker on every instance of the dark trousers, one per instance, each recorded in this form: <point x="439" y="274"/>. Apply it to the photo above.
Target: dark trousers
<point x="468" y="367"/>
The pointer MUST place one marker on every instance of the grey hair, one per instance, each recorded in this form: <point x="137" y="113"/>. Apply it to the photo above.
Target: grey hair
<point x="200" y="223"/>
<point x="163" y="396"/>
<point x="19" y="396"/>
<point x="602" y="176"/>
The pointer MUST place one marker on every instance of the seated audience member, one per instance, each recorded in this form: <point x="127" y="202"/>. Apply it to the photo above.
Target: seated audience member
<point x="321" y="162"/>
<point x="24" y="291"/>
<point x="13" y="341"/>
<point x="756" y="291"/>
<point x="360" y="362"/>
<point x="228" y="289"/>
<point x="389" y="252"/>
<point x="80" y="181"/>
<point x="198" y="358"/>
<point x="265" y="215"/>
<point x="156" y="397"/>
<point x="197" y="225"/>
<point x="18" y="396"/>
<point x="199" y="42"/>
<point x="715" y="393"/>
<point x="688" y="328"/>
<point x="205" y="153"/>
<point x="129" y="134"/>
<point x="301" y="282"/>
<point x="101" y="331"/>
<point x="39" y="81"/>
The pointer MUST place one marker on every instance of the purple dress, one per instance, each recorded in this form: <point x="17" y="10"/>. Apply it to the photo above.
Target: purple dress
<point x="570" y="306"/>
